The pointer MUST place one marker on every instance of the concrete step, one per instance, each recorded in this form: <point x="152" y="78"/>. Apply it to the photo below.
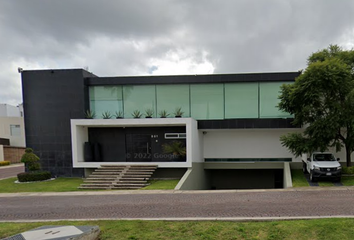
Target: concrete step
<point x="127" y="178"/>
<point x="108" y="170"/>
<point x="132" y="180"/>
<point x="129" y="184"/>
<point x="141" y="170"/>
<point x="98" y="180"/>
<point x="101" y="178"/>
<point x="105" y="173"/>
<point x="94" y="188"/>
<point x="136" y="176"/>
<point x="96" y="185"/>
<point x="138" y="173"/>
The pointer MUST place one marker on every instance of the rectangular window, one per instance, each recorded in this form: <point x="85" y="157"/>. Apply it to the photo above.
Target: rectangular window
<point x="269" y="93"/>
<point x="207" y="101"/>
<point x="106" y="99"/>
<point x="15" y="130"/>
<point x="175" y="136"/>
<point x="170" y="97"/>
<point x="139" y="98"/>
<point x="241" y="100"/>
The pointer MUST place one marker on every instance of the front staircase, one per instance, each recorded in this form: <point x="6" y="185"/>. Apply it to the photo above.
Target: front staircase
<point x="119" y="177"/>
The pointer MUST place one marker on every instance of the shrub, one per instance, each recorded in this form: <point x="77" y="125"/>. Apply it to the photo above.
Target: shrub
<point x="31" y="160"/>
<point x="4" y="163"/>
<point x="348" y="170"/>
<point x="34" y="176"/>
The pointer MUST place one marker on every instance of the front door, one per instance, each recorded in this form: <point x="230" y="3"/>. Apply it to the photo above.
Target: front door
<point x="138" y="148"/>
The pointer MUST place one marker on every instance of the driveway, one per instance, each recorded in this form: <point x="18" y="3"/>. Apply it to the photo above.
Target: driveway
<point x="11" y="171"/>
<point x="261" y="204"/>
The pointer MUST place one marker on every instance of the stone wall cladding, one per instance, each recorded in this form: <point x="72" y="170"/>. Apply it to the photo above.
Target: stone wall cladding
<point x="13" y="154"/>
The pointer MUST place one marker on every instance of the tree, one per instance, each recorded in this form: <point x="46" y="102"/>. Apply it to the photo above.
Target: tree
<point x="322" y="100"/>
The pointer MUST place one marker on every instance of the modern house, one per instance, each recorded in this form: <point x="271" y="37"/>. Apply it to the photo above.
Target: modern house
<point x="230" y="126"/>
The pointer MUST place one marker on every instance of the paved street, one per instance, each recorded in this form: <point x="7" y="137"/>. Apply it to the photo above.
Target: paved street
<point x="212" y="204"/>
<point x="11" y="171"/>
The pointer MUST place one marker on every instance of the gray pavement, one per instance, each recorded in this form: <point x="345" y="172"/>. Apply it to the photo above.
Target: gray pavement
<point x="180" y="205"/>
<point x="11" y="170"/>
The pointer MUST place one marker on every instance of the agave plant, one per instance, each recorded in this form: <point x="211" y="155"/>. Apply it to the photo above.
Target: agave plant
<point x="163" y="114"/>
<point x="90" y="114"/>
<point x="119" y="114"/>
<point x="178" y="112"/>
<point x="137" y="114"/>
<point x="106" y="115"/>
<point x="149" y="113"/>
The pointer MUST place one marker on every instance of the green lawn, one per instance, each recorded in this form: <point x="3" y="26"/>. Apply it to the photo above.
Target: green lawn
<point x="57" y="185"/>
<point x="298" y="178"/>
<point x="348" y="181"/>
<point x="161" y="185"/>
<point x="323" y="229"/>
<point x="68" y="185"/>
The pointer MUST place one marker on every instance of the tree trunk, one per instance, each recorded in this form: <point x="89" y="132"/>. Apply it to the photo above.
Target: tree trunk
<point x="348" y="154"/>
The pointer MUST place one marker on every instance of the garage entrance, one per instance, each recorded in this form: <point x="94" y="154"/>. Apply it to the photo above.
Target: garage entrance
<point x="246" y="178"/>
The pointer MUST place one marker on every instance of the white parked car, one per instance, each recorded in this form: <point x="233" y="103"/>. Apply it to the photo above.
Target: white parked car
<point x="322" y="165"/>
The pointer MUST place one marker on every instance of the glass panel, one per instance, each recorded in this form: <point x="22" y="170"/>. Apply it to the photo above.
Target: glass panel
<point x="170" y="97"/>
<point x="269" y="93"/>
<point x="207" y="101"/>
<point x="241" y="100"/>
<point x="139" y="98"/>
<point x="106" y="98"/>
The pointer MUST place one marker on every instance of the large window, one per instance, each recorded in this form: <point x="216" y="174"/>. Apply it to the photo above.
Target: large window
<point x="269" y="93"/>
<point x="199" y="101"/>
<point x="241" y="100"/>
<point x="170" y="97"/>
<point x="207" y="101"/>
<point x="106" y="99"/>
<point x="139" y="98"/>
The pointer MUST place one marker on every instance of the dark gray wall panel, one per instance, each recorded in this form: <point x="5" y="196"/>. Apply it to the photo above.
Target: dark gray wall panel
<point x="51" y="98"/>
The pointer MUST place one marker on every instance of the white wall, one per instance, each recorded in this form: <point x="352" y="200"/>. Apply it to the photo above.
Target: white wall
<point x="5" y="122"/>
<point x="7" y="110"/>
<point x="244" y="143"/>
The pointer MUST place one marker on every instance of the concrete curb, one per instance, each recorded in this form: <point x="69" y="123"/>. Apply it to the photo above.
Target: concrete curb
<point x="141" y="192"/>
<point x="13" y="165"/>
<point x="230" y="219"/>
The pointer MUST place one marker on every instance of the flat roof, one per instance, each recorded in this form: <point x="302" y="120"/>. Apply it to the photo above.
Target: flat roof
<point x="190" y="79"/>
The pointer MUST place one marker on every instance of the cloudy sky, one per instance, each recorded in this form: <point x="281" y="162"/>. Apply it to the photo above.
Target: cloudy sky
<point x="140" y="37"/>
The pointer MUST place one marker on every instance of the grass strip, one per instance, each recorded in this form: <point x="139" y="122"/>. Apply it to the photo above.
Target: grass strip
<point x="323" y="229"/>
<point x="161" y="185"/>
<point x="298" y="178"/>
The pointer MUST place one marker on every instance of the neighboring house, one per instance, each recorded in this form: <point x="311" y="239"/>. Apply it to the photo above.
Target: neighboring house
<point x="12" y="132"/>
<point x="12" y="125"/>
<point x="231" y="125"/>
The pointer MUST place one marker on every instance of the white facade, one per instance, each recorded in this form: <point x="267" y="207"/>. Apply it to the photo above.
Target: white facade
<point x="246" y="143"/>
